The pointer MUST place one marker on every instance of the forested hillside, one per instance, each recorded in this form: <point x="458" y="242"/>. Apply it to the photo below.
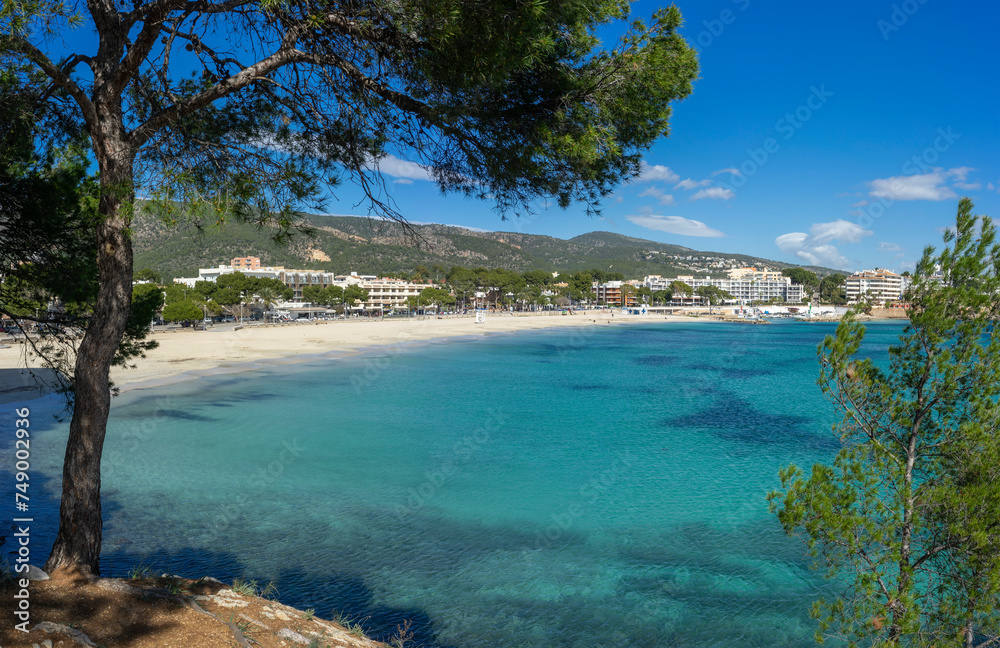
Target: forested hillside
<point x="346" y="243"/>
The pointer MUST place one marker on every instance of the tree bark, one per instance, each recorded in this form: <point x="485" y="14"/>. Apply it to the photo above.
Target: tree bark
<point x="78" y="541"/>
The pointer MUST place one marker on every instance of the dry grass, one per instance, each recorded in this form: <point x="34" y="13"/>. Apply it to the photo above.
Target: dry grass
<point x="161" y="612"/>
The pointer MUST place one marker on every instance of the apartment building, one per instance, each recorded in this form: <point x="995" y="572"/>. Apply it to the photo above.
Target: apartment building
<point x="612" y="293"/>
<point x="390" y="294"/>
<point x="294" y="279"/>
<point x="212" y="274"/>
<point x="755" y="286"/>
<point x="243" y="264"/>
<point x="879" y="285"/>
<point x="299" y="279"/>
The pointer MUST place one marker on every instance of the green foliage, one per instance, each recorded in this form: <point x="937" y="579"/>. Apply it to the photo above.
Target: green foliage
<point x="832" y="290"/>
<point x="147" y="299"/>
<point x="47" y="226"/>
<point x="274" y="287"/>
<point x="581" y="286"/>
<point x="508" y="101"/>
<point x="266" y="296"/>
<point x="436" y="297"/>
<point x="227" y="296"/>
<point x="182" y="311"/>
<point x="351" y="625"/>
<point x="148" y="274"/>
<point x="248" y="587"/>
<point x="907" y="519"/>
<point x="206" y="289"/>
<point x="802" y="276"/>
<point x="354" y="294"/>
<point x="681" y="288"/>
<point x="713" y="294"/>
<point x="142" y="571"/>
<point x="46" y="199"/>
<point x="238" y="288"/>
<point x="538" y="278"/>
<point x="235" y="281"/>
<point x="326" y="296"/>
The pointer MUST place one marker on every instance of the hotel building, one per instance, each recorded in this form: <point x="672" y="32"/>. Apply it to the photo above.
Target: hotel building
<point x="390" y="294"/>
<point x="383" y="294"/>
<point x="879" y="285"/>
<point x="746" y="285"/>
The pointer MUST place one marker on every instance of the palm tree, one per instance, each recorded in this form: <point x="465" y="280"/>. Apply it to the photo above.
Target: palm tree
<point x="267" y="297"/>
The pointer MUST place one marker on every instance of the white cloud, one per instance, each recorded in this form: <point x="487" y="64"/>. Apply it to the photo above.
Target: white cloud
<point x="403" y="181"/>
<point x="715" y="193"/>
<point x="675" y="225"/>
<point x="839" y="230"/>
<point x="860" y="203"/>
<point x="689" y="184"/>
<point x="923" y="186"/>
<point x="659" y="194"/>
<point x="735" y="172"/>
<point x="816" y="247"/>
<point x="959" y="173"/>
<point x="397" y="168"/>
<point x="990" y="186"/>
<point x="889" y="247"/>
<point x="656" y="173"/>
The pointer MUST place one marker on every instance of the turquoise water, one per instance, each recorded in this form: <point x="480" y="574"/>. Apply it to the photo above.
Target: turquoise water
<point x="575" y="488"/>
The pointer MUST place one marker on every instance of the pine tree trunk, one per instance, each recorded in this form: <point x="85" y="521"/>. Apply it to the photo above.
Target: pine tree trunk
<point x="78" y="542"/>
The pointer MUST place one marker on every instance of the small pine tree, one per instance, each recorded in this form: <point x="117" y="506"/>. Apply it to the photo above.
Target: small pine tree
<point x="908" y="516"/>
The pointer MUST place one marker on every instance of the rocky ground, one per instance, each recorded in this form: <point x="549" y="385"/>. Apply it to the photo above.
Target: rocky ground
<point x="69" y="611"/>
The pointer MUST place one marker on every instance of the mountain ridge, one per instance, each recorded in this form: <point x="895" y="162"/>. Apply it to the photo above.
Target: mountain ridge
<point x="370" y="246"/>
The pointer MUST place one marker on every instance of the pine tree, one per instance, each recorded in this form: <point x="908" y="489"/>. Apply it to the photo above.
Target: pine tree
<point x="907" y="519"/>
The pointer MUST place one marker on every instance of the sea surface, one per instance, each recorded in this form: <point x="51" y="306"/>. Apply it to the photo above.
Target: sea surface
<point x="580" y="488"/>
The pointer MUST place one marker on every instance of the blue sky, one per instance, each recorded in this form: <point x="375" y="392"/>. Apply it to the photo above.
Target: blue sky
<point x="854" y="128"/>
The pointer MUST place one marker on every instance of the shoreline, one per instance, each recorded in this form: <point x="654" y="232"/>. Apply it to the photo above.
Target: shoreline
<point x="185" y="354"/>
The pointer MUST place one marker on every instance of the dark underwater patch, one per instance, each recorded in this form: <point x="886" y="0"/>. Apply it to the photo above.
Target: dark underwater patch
<point x="734" y="419"/>
<point x="655" y="360"/>
<point x="590" y="387"/>
<point x="185" y="415"/>
<point x="736" y="373"/>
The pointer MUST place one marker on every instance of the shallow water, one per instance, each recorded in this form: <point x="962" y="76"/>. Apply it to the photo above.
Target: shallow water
<point x="568" y="487"/>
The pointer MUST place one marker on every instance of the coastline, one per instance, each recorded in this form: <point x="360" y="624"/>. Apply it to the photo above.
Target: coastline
<point x="184" y="354"/>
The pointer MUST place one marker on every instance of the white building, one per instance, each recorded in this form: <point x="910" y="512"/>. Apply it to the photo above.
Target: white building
<point x="746" y="287"/>
<point x="879" y="285"/>
<point x="294" y="279"/>
<point x="212" y="274"/>
<point x="390" y="294"/>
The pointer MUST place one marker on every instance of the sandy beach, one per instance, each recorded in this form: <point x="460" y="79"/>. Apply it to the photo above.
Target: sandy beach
<point x="183" y="354"/>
